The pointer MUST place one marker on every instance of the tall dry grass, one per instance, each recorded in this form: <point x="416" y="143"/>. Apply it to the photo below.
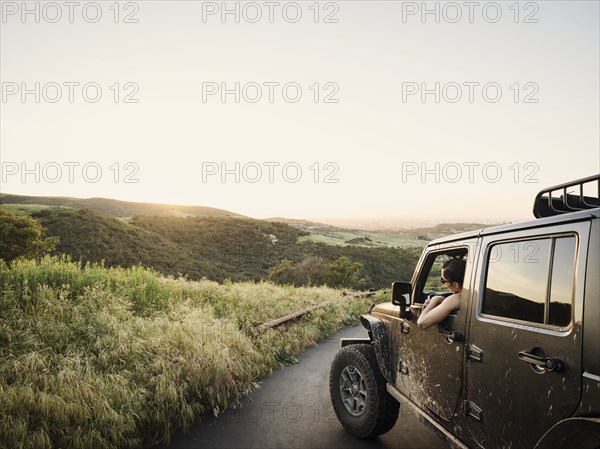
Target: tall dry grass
<point x="94" y="357"/>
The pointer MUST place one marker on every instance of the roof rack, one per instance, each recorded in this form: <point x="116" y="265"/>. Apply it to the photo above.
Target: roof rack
<point x="556" y="200"/>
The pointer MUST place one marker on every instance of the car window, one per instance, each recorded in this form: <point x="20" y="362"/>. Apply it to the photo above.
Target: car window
<point x="561" y="291"/>
<point x="433" y="278"/>
<point x="517" y="280"/>
<point x="531" y="281"/>
<point x="429" y="280"/>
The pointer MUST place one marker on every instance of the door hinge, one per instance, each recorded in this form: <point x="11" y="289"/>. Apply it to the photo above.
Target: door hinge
<point x="402" y="368"/>
<point x="474" y="353"/>
<point x="473" y="411"/>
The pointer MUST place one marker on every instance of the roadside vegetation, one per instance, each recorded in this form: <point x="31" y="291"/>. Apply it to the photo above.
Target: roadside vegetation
<point x="96" y="357"/>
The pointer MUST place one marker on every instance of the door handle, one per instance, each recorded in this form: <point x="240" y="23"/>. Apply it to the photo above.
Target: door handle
<point x="543" y="363"/>
<point x="450" y="335"/>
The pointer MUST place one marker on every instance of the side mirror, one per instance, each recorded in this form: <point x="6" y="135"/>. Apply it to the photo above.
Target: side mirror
<point x="401" y="297"/>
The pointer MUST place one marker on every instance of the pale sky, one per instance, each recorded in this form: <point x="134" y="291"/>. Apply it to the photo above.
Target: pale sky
<point x="374" y="58"/>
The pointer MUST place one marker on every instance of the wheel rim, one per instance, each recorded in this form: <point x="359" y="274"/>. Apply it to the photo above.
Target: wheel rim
<point x="353" y="391"/>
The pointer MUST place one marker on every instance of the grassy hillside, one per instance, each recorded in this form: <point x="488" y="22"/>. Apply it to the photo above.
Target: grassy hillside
<point x="359" y="237"/>
<point x="92" y="357"/>
<point x="239" y="249"/>
<point x="118" y="208"/>
<point x="332" y="235"/>
<point x="89" y="236"/>
<point x="24" y="209"/>
<point x="220" y="247"/>
<point x="391" y="238"/>
<point x="253" y="246"/>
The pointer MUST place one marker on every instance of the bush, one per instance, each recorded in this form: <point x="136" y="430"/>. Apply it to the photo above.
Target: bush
<point x="314" y="271"/>
<point x="22" y="236"/>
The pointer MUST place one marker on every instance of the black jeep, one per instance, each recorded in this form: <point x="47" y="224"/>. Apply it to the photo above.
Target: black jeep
<point x="518" y="366"/>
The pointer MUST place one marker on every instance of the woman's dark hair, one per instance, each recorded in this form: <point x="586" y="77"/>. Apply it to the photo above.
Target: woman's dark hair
<point x="454" y="270"/>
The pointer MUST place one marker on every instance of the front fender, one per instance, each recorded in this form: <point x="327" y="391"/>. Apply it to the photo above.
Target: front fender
<point x="381" y="342"/>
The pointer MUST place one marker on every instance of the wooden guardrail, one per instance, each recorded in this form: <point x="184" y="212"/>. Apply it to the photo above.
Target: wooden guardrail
<point x="292" y="316"/>
<point x="301" y="313"/>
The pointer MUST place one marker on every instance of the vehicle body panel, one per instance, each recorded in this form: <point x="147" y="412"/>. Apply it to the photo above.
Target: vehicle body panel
<point x="430" y="367"/>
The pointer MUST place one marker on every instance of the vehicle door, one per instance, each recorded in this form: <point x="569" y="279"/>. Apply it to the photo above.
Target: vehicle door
<point x="430" y="367"/>
<point x="524" y="351"/>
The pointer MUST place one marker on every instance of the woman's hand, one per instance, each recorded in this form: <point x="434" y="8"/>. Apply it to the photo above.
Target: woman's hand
<point x="437" y="310"/>
<point x="435" y="299"/>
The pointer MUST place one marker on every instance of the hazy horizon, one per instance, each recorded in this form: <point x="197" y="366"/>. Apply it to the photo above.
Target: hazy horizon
<point x="374" y="112"/>
<point x="366" y="223"/>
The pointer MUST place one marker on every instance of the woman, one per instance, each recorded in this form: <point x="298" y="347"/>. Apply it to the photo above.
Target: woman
<point x="436" y="309"/>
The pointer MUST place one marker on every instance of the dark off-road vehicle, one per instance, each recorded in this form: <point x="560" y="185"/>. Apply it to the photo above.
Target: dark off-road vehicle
<point x="518" y="366"/>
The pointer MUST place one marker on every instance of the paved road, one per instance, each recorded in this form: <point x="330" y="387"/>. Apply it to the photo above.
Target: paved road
<point x="292" y="410"/>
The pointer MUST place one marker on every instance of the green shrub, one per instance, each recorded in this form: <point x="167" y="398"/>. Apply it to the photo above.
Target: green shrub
<point x="22" y="236"/>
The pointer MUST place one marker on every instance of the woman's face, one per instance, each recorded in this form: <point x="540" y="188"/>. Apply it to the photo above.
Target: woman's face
<point x="454" y="287"/>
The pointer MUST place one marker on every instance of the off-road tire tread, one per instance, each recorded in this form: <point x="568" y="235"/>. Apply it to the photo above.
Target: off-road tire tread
<point x="382" y="409"/>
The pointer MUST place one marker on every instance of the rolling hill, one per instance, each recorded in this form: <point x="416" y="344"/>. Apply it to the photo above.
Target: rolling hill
<point x="216" y="248"/>
<point x="202" y="242"/>
<point x="117" y="208"/>
<point x="90" y="236"/>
